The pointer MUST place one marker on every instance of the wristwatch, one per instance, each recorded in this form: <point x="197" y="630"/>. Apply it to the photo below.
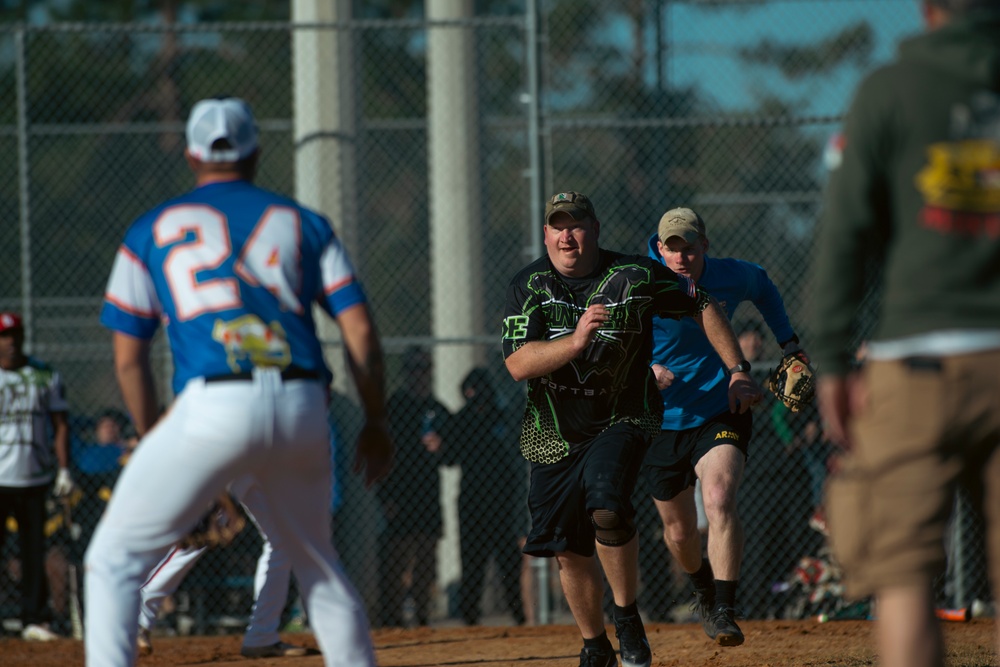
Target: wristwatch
<point x="742" y="367"/>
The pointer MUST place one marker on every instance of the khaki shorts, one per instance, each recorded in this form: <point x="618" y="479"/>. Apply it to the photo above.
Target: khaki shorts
<point x="930" y="423"/>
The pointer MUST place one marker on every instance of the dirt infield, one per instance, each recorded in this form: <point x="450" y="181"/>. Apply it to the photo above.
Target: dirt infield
<point x="769" y="643"/>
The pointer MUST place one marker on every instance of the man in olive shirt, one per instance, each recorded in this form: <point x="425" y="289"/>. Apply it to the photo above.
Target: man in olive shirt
<point x="917" y="190"/>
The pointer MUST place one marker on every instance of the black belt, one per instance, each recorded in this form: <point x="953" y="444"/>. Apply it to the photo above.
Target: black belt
<point x="290" y="373"/>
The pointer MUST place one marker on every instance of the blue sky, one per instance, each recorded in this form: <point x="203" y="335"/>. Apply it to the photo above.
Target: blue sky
<point x="704" y="43"/>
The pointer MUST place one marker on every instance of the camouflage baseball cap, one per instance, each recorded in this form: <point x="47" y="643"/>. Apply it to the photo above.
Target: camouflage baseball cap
<point x="682" y="222"/>
<point x="576" y="204"/>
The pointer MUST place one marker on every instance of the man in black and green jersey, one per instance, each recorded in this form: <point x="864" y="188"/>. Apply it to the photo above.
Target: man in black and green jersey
<point x="916" y="190"/>
<point x="578" y="327"/>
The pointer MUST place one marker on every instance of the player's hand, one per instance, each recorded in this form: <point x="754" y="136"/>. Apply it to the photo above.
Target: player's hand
<point x="588" y="324"/>
<point x="64" y="484"/>
<point x="431" y="441"/>
<point x="664" y="376"/>
<point x="374" y="453"/>
<point x="791" y="347"/>
<point x="840" y="399"/>
<point x="744" y="393"/>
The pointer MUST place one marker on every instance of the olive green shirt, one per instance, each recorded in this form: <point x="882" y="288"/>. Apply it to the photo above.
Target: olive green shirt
<point x="918" y="192"/>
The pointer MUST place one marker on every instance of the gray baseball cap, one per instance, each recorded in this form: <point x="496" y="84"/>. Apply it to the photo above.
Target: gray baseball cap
<point x="682" y="222"/>
<point x="228" y="119"/>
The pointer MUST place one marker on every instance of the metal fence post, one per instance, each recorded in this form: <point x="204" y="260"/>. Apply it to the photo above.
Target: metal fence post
<point x="24" y="193"/>
<point x="535" y="202"/>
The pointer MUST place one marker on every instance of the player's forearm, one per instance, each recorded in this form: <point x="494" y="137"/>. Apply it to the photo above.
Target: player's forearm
<point x="60" y="440"/>
<point x="720" y="334"/>
<point x="368" y="374"/>
<point x="135" y="379"/>
<point x="541" y="357"/>
<point x="364" y="360"/>
<point x="139" y="393"/>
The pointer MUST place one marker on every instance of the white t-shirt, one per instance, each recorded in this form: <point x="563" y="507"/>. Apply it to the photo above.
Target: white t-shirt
<point x="27" y="397"/>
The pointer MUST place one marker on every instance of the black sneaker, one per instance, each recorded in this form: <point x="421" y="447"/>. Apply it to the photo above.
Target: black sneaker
<point x="632" y="642"/>
<point x="721" y="627"/>
<point x="595" y="657"/>
<point x="704" y="601"/>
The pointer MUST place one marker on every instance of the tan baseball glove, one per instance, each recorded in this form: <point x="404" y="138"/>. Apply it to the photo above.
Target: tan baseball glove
<point x="793" y="381"/>
<point x="219" y="526"/>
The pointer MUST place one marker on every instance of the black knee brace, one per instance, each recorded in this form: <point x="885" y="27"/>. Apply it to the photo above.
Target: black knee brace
<point x="611" y="529"/>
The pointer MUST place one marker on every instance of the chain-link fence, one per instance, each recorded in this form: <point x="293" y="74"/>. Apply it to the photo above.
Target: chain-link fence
<point x="431" y="145"/>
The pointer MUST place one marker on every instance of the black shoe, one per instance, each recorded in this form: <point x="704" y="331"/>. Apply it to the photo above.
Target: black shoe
<point x="704" y="601"/>
<point x="595" y="657"/>
<point x="632" y="642"/>
<point x="721" y="627"/>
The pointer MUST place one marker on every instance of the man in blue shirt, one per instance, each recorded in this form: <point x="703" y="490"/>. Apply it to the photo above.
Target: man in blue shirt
<point x="702" y="438"/>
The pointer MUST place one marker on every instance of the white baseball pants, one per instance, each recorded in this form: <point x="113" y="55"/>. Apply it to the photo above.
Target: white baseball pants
<point x="272" y="430"/>
<point x="271" y="579"/>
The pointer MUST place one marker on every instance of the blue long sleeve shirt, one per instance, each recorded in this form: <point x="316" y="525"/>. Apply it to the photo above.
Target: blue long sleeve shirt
<point x="700" y="389"/>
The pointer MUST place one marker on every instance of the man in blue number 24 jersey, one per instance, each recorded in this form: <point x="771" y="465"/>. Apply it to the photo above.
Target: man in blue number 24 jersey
<point x="232" y="271"/>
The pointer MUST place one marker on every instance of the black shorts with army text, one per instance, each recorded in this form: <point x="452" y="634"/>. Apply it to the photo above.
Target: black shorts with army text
<point x="672" y="456"/>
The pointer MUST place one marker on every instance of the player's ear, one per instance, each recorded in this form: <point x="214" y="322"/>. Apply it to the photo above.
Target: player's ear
<point x="192" y="162"/>
<point x="597" y="228"/>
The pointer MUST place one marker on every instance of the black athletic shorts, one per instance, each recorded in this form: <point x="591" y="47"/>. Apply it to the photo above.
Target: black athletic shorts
<point x="600" y="474"/>
<point x="669" y="465"/>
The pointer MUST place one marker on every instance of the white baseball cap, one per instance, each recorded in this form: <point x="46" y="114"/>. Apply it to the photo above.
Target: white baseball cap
<point x="229" y="119"/>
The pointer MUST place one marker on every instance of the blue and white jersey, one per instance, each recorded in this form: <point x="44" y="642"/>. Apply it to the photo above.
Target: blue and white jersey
<point x="232" y="271"/>
<point x="700" y="389"/>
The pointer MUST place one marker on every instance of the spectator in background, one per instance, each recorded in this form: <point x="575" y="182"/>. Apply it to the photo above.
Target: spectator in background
<point x="492" y="514"/>
<point x="59" y="548"/>
<point x="769" y="501"/>
<point x="105" y="454"/>
<point x="751" y="342"/>
<point x="353" y="510"/>
<point x="802" y="435"/>
<point x="97" y="465"/>
<point x="32" y="464"/>
<point x="410" y="495"/>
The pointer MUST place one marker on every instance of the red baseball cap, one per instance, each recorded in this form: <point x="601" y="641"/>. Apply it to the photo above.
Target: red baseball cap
<point x="10" y="321"/>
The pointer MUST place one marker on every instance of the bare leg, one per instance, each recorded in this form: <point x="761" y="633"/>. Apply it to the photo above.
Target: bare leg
<point x="680" y="529"/>
<point x="56" y="569"/>
<point x="528" y="597"/>
<point x="621" y="567"/>
<point x="581" y="583"/>
<point x="909" y="635"/>
<point x="720" y="472"/>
